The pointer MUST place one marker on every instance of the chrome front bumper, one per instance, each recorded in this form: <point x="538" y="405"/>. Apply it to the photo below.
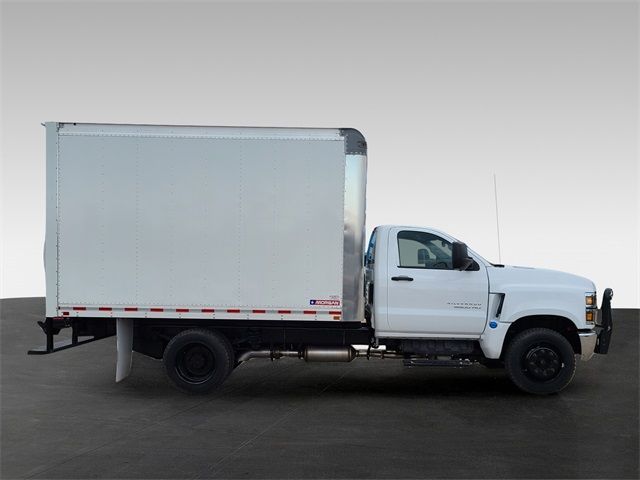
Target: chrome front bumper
<point x="588" y="342"/>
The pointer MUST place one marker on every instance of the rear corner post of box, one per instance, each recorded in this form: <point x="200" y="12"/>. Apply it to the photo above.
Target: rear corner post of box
<point x="355" y="143"/>
<point x="51" y="228"/>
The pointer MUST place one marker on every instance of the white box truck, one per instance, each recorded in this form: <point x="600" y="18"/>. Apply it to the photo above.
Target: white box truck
<point x="209" y="246"/>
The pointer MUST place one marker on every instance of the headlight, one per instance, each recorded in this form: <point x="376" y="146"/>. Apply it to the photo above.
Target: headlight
<point x="591" y="305"/>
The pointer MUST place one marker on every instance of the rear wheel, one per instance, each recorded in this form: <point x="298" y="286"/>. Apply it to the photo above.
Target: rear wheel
<point x="540" y="361"/>
<point x="198" y="360"/>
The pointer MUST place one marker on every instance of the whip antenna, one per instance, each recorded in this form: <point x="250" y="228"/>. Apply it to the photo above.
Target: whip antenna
<point x="495" y="195"/>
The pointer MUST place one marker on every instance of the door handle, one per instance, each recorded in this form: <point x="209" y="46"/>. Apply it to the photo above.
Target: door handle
<point x="402" y="278"/>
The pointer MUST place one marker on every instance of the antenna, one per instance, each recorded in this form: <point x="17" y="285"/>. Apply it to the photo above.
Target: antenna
<point x="495" y="195"/>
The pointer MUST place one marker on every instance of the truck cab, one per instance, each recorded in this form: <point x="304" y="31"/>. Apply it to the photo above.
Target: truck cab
<point x="425" y="285"/>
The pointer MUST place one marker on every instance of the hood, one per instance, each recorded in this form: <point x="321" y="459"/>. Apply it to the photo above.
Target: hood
<point x="528" y="277"/>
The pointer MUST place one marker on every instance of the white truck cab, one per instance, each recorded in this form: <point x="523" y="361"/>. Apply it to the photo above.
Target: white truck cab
<point x="209" y="246"/>
<point x="422" y="283"/>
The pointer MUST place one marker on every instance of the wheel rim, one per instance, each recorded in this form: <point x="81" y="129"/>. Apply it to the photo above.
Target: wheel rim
<point x="195" y="363"/>
<point x="542" y="363"/>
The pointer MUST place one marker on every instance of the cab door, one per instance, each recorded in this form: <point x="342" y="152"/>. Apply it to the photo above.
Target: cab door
<point x="426" y="296"/>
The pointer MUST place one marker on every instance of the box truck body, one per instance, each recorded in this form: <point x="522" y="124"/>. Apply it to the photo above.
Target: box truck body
<point x="199" y="222"/>
<point x="209" y="246"/>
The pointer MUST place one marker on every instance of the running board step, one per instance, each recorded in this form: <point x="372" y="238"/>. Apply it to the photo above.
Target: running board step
<point x="425" y="362"/>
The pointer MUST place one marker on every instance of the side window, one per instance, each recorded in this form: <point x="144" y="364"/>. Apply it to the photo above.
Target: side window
<point x="424" y="250"/>
<point x="371" y="250"/>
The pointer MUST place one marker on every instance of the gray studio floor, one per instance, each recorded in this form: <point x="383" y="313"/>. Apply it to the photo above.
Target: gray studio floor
<point x="64" y="417"/>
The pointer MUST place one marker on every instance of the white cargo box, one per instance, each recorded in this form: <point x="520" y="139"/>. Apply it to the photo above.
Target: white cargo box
<point x="204" y="222"/>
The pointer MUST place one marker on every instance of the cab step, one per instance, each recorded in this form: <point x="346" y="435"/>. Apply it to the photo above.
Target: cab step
<point x="428" y="362"/>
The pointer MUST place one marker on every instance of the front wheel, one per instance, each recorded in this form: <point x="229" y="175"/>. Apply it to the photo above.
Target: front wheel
<point x="198" y="360"/>
<point x="540" y="361"/>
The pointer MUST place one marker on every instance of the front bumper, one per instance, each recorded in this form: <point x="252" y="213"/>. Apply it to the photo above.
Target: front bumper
<point x="588" y="342"/>
<point x="598" y="339"/>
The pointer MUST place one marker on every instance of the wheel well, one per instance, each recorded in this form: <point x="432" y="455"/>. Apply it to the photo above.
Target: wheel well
<point x="562" y="325"/>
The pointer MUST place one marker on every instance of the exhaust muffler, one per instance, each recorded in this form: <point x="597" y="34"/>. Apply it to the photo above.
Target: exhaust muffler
<point x="330" y="354"/>
<point x="319" y="354"/>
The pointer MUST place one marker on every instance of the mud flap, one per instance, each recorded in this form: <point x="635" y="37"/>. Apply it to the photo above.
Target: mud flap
<point x="124" y="343"/>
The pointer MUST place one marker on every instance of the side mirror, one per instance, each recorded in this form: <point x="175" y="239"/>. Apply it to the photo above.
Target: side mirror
<point x="461" y="259"/>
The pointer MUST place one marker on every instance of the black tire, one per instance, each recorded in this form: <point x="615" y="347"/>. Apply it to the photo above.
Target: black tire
<point x="198" y="360"/>
<point x="540" y="361"/>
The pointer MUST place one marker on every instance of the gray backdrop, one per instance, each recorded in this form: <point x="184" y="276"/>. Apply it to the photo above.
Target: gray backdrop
<point x="543" y="94"/>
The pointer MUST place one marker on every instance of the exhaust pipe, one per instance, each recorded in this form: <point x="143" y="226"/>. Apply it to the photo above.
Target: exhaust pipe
<point x="272" y="354"/>
<point x="319" y="354"/>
